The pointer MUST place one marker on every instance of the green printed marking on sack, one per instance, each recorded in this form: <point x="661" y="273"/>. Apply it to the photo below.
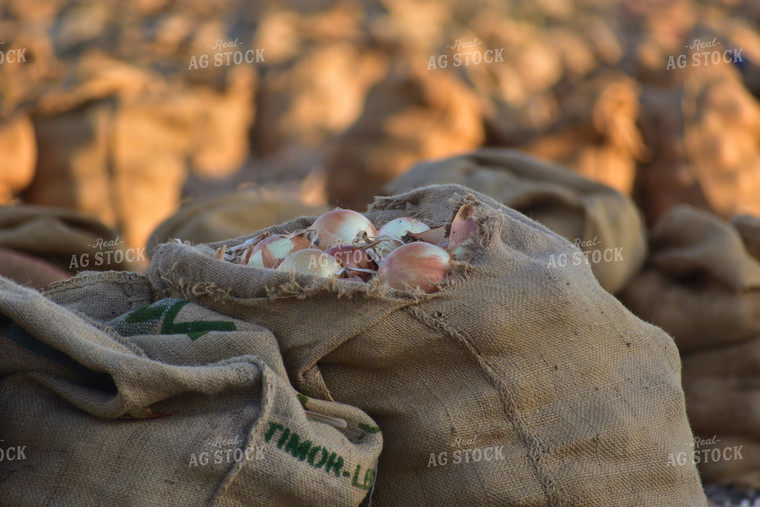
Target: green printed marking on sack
<point x="366" y="430"/>
<point x="168" y="309"/>
<point x="316" y="456"/>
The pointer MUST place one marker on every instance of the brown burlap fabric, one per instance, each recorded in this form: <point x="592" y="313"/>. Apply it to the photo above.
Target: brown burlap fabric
<point x="748" y="227"/>
<point x="228" y="216"/>
<point x="702" y="286"/>
<point x="19" y="149"/>
<point x="29" y="270"/>
<point x="411" y="115"/>
<point x="605" y="224"/>
<point x="723" y="408"/>
<point x="517" y="383"/>
<point x="66" y="238"/>
<point x="167" y="404"/>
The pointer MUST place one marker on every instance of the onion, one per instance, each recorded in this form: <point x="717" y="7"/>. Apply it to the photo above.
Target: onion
<point x="268" y="252"/>
<point x="463" y="227"/>
<point x="354" y="257"/>
<point x="435" y="236"/>
<point x="341" y="226"/>
<point x="311" y="261"/>
<point x="400" y="227"/>
<point x="417" y="265"/>
<point x="395" y="230"/>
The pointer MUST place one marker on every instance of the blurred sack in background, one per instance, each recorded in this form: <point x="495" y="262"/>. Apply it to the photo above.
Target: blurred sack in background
<point x="129" y="100"/>
<point x="228" y="216"/>
<point x="603" y="224"/>
<point x="117" y="143"/>
<point x="18" y="149"/>
<point x="702" y="286"/>
<point x="44" y="244"/>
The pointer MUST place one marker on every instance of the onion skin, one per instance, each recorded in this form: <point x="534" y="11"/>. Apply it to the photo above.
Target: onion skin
<point x="462" y="227"/>
<point x="311" y="261"/>
<point x="272" y="250"/>
<point x="400" y="227"/>
<point x="386" y="246"/>
<point x="353" y="257"/>
<point x="341" y="226"/>
<point x="417" y="265"/>
<point x="435" y="236"/>
<point x="463" y="230"/>
<point x="397" y="229"/>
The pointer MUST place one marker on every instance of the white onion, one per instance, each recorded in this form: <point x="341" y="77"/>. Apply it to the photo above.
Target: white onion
<point x="351" y="258"/>
<point x="311" y="261"/>
<point x="341" y="226"/>
<point x="268" y="252"/>
<point x="416" y="265"/>
<point x="396" y="229"/>
<point x="463" y="228"/>
<point x="400" y="227"/>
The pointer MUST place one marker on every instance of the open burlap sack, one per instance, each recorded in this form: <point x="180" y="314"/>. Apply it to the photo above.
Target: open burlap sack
<point x="700" y="284"/>
<point x="168" y="404"/>
<point x="228" y="216"/>
<point x="516" y="383"/>
<point x="66" y="238"/>
<point x="605" y="224"/>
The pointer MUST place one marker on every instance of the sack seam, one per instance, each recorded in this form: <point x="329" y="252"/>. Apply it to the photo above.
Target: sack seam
<point x="530" y="441"/>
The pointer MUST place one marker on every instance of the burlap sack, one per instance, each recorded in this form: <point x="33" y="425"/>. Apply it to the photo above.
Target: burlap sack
<point x="168" y="404"/>
<point x="704" y="132"/>
<point x="19" y="151"/>
<point x="724" y="411"/>
<point x="228" y="216"/>
<point x="748" y="227"/>
<point x="596" y="135"/>
<point x="700" y="284"/>
<point x="604" y="223"/>
<point x="517" y="383"/>
<point x="117" y="140"/>
<point x="72" y="165"/>
<point x="411" y="115"/>
<point x="29" y="270"/>
<point x="66" y="238"/>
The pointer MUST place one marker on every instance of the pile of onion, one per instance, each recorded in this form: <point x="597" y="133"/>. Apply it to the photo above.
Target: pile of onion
<point x="405" y="253"/>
